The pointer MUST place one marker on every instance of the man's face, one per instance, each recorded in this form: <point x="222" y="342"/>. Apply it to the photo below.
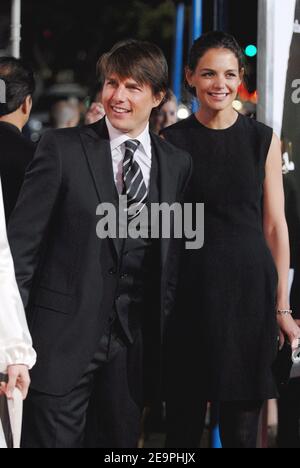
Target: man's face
<point x="127" y="104"/>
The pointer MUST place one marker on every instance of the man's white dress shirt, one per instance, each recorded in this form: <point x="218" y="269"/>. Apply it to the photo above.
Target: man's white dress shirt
<point x="143" y="154"/>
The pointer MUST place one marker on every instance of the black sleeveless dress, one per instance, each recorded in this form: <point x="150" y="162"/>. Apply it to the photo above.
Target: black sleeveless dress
<point x="225" y="328"/>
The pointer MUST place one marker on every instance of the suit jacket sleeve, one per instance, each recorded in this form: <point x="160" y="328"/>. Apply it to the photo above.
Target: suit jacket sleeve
<point x="29" y="221"/>
<point x="178" y="247"/>
<point x="15" y="340"/>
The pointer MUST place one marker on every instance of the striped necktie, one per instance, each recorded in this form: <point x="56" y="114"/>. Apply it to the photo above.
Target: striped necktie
<point x="134" y="184"/>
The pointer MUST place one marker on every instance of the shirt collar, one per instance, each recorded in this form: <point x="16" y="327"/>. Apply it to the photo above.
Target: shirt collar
<point x="117" y="138"/>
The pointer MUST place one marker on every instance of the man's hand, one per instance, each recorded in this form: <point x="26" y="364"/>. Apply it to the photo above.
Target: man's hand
<point x="18" y="376"/>
<point x="94" y="113"/>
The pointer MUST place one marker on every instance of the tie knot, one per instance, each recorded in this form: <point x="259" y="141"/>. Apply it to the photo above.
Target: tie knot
<point x="131" y="145"/>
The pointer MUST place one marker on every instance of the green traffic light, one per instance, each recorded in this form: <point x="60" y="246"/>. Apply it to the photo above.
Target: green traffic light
<point x="251" y="50"/>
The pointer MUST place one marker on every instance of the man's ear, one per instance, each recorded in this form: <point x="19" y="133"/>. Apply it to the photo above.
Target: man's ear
<point x="27" y="105"/>
<point x="158" y="98"/>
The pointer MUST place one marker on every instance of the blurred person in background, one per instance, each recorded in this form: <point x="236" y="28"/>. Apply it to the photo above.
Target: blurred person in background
<point x="96" y="110"/>
<point x="65" y="113"/>
<point x="166" y="115"/>
<point x="94" y="113"/>
<point x="16" y="150"/>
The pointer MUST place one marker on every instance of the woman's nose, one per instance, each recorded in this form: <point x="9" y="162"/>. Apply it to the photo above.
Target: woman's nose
<point x="219" y="82"/>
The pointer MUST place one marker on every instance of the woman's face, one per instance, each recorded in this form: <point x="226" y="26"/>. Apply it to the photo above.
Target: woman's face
<point x="167" y="115"/>
<point x="217" y="78"/>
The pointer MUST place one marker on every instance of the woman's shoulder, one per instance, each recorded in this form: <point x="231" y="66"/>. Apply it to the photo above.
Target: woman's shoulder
<point x="259" y="134"/>
<point x="256" y="125"/>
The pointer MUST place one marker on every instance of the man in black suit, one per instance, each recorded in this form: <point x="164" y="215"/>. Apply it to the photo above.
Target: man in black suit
<point x="15" y="151"/>
<point x="95" y="305"/>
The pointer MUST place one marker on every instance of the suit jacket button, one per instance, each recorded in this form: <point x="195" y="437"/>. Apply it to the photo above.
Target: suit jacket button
<point x="112" y="271"/>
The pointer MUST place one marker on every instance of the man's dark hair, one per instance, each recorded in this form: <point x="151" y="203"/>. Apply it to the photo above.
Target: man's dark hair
<point x="142" y="61"/>
<point x="19" y="83"/>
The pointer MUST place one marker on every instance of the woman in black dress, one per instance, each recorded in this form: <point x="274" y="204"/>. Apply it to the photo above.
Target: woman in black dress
<point x="233" y="293"/>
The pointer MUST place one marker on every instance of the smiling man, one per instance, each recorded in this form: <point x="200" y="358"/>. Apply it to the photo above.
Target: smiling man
<point x="96" y="305"/>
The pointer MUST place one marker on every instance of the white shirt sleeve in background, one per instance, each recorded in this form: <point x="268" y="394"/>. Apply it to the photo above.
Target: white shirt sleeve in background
<point x="15" y="340"/>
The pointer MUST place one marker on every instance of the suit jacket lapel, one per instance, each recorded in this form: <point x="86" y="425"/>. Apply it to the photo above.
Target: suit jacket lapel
<point x="96" y="146"/>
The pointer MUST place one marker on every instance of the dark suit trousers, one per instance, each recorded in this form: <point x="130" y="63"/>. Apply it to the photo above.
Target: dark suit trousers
<point x="103" y="410"/>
